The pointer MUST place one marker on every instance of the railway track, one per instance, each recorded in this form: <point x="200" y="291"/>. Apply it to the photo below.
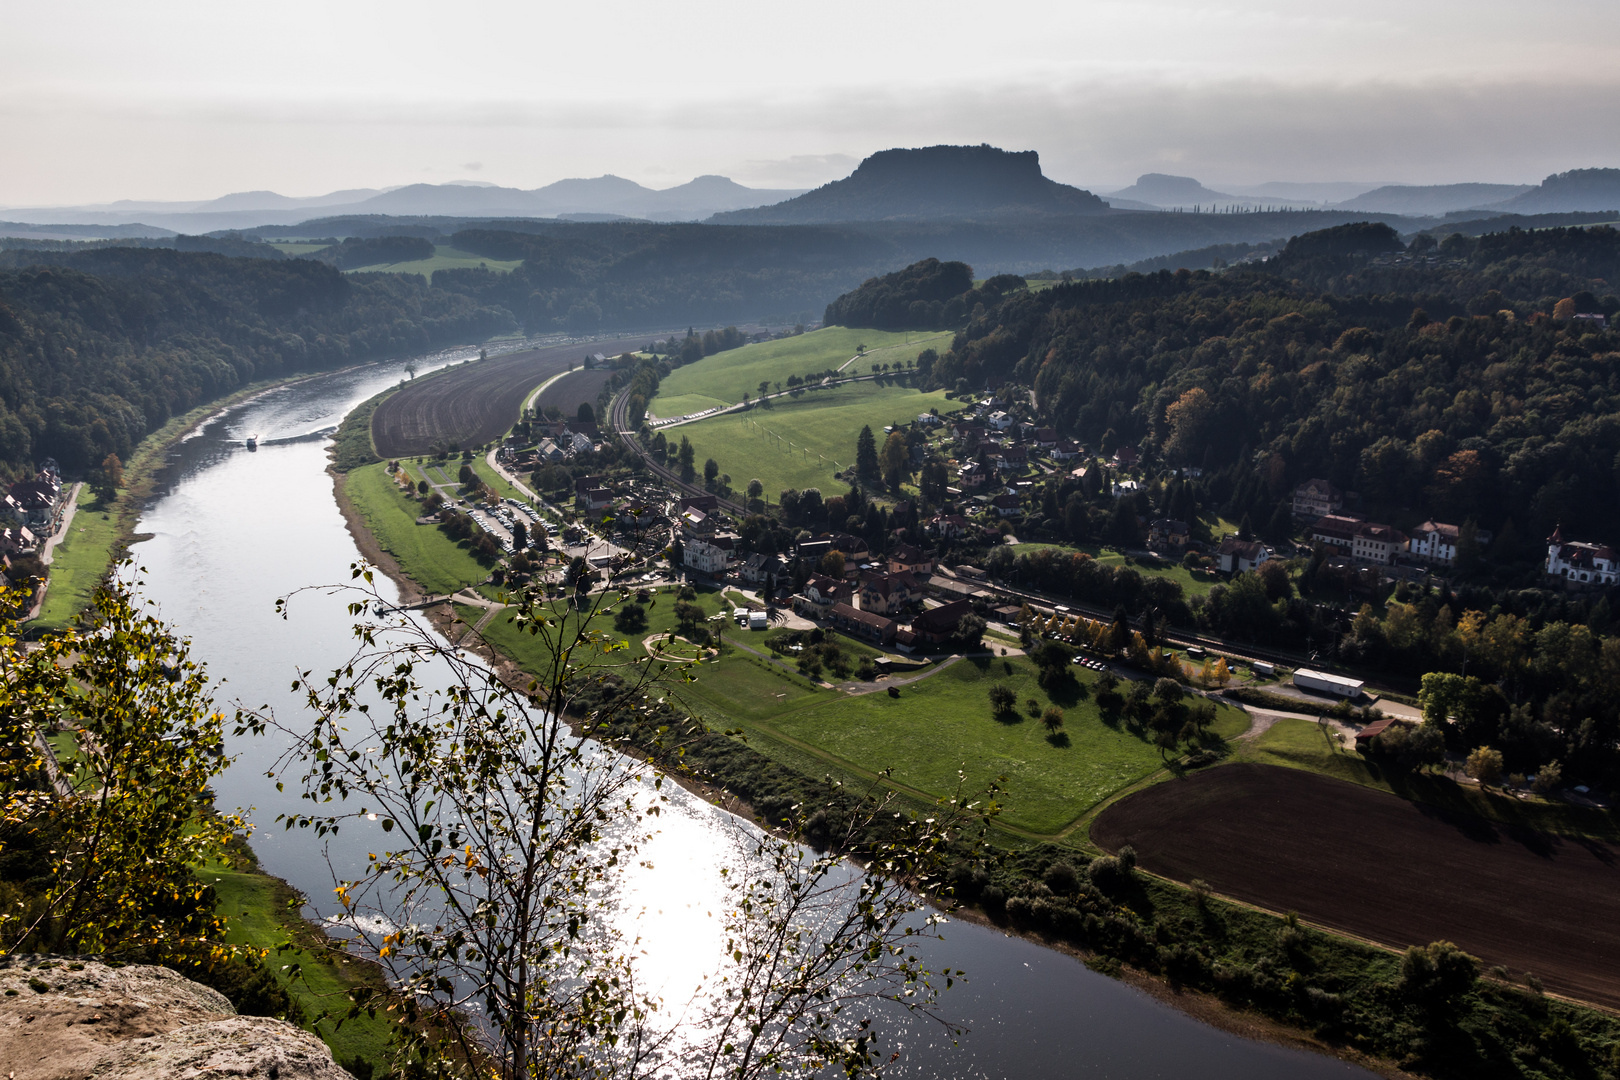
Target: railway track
<point x="619" y="419"/>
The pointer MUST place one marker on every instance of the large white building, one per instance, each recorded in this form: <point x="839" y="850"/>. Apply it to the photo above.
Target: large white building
<point x="709" y="554"/>
<point x="1435" y="543"/>
<point x="1580" y="564"/>
<point x="1322" y="683"/>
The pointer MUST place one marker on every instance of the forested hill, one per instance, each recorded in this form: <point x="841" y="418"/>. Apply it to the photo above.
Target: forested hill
<point x="583" y="278"/>
<point x="929" y="184"/>
<point x="1452" y="382"/>
<point x="100" y="347"/>
<point x="926" y="295"/>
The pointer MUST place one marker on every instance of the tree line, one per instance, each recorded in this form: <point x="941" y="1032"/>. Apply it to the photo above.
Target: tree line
<point x="98" y="348"/>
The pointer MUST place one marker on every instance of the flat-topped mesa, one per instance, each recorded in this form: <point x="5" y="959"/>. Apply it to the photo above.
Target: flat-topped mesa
<point x="931" y="182"/>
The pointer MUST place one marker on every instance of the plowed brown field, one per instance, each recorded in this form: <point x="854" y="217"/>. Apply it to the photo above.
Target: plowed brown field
<point x="570" y="391"/>
<point x="1380" y="867"/>
<point x="474" y="403"/>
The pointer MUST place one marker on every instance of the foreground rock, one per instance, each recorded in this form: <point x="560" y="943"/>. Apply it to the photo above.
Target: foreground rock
<point x="66" y="1019"/>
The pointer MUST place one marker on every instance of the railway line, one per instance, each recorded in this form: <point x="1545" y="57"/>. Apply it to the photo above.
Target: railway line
<point x="619" y="419"/>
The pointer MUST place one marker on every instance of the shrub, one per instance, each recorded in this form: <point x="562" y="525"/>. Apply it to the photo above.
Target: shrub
<point x="1485" y="765"/>
<point x="1002" y="700"/>
<point x="1063" y="878"/>
<point x="1436" y="976"/>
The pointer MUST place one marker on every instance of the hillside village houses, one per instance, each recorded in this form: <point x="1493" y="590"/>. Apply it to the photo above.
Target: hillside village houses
<point x="34" y="503"/>
<point x="1168" y="534"/>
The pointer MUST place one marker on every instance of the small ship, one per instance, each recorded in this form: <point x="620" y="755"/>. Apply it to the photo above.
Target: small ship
<point x="252" y="442"/>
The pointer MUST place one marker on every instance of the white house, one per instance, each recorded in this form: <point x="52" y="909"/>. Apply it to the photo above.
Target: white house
<point x="1434" y="543"/>
<point x="1238" y="556"/>
<point x="709" y="554"/>
<point x="1580" y="564"/>
<point x="999" y="420"/>
<point x="1316" y="498"/>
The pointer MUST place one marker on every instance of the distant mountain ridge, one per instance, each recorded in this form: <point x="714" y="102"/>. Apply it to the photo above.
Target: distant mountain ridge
<point x="1161" y="191"/>
<point x="930" y="183"/>
<point x="1432" y="200"/>
<point x="1577" y="189"/>
<point x="602" y="195"/>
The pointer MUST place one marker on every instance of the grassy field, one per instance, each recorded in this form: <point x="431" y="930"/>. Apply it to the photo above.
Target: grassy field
<point x="943" y="724"/>
<point x="297" y="247"/>
<point x="937" y="726"/>
<point x="79" y="562"/>
<point x="261" y="912"/>
<point x="821" y="426"/>
<point x="430" y="557"/>
<point x="495" y="481"/>
<point x="721" y="379"/>
<point x="1303" y="744"/>
<point x="444" y="258"/>
<point x="1192" y="584"/>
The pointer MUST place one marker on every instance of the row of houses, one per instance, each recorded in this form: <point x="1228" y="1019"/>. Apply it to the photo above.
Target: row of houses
<point x="934" y="626"/>
<point x="549" y="442"/>
<point x="1371" y="543"/>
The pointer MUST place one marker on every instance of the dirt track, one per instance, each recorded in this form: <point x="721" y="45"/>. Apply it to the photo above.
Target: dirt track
<point x="473" y="403"/>
<point x="1377" y="866"/>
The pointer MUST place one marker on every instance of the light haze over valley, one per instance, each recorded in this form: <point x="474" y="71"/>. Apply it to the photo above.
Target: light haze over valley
<point x="637" y="541"/>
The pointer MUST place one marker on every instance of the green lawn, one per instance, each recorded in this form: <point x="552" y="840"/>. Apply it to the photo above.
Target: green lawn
<point x="444" y="258"/>
<point x="258" y="913"/>
<point x="496" y="482"/>
<point x="943" y="724"/>
<point x="936" y="726"/>
<point x="294" y="248"/>
<point x="434" y="561"/>
<point x="79" y="562"/>
<point x="1192" y="584"/>
<point x="737" y="684"/>
<point x="1304" y="744"/>
<point x="822" y="426"/>
<point x="721" y="379"/>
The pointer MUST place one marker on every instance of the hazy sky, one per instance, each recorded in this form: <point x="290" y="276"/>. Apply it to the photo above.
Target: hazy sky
<point x="107" y="99"/>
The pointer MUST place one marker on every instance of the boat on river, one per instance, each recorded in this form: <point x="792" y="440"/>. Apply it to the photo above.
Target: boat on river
<point x="253" y="442"/>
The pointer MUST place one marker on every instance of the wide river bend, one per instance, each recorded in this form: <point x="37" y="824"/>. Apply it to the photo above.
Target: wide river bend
<point x="233" y="530"/>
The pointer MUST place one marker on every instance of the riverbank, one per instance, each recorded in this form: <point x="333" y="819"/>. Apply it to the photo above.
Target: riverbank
<point x="106" y="533"/>
<point x="263" y="912"/>
<point x="739" y="779"/>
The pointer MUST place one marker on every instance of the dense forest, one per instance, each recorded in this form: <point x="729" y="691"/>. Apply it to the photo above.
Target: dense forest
<point x="1469" y="381"/>
<point x="927" y="295"/>
<point x="582" y="278"/>
<point x="99" y="347"/>
<point x="1453" y="381"/>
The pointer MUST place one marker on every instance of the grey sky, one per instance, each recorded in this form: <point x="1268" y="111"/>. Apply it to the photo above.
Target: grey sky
<point x="158" y="99"/>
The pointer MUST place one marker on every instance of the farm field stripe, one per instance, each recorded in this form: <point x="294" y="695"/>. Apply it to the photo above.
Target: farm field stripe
<point x="1375" y="866"/>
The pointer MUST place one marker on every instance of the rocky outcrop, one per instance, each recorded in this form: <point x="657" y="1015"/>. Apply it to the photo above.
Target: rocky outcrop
<point x="249" y="1047"/>
<point x="68" y="1019"/>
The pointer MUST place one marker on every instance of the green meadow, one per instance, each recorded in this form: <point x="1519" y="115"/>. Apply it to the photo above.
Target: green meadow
<point x="79" y="562"/>
<point x="1192" y="584"/>
<point x="437" y="563"/>
<point x="801" y="442"/>
<point x="444" y="258"/>
<point x="942" y="725"/>
<point x="721" y="379"/>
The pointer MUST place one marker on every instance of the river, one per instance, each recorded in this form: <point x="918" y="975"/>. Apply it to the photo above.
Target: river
<point x="232" y="530"/>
